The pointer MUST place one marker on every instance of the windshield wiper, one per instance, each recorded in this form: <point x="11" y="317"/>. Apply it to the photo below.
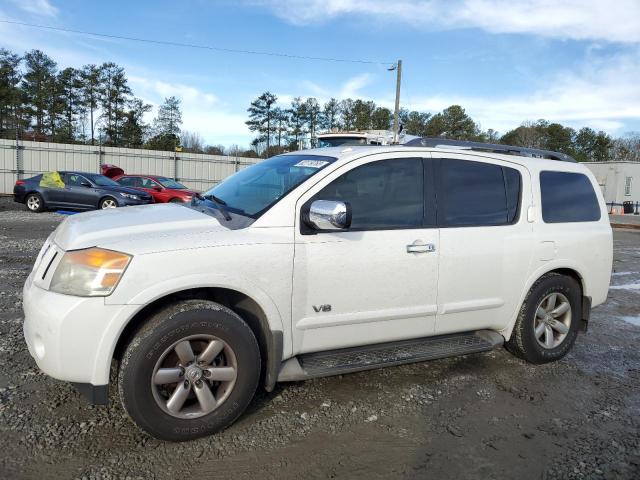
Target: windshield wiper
<point x="221" y="205"/>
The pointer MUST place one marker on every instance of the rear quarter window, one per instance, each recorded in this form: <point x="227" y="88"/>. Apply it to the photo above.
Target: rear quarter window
<point x="568" y="197"/>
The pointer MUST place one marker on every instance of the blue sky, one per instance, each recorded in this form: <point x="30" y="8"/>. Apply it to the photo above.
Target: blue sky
<point x="575" y="62"/>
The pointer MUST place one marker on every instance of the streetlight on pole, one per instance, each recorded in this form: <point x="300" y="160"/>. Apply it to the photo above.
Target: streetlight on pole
<point x="396" y="114"/>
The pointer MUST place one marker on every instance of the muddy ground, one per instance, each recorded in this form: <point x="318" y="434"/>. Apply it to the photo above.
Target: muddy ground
<point x="480" y="416"/>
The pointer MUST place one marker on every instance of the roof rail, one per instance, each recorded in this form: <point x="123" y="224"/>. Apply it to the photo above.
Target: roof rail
<point x="489" y="147"/>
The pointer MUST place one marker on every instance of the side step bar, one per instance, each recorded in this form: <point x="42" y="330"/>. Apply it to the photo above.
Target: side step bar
<point x="356" y="359"/>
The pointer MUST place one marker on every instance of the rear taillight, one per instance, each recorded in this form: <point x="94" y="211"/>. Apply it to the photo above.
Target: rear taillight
<point x="20" y="182"/>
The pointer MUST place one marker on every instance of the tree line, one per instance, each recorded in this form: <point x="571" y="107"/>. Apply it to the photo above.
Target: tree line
<point x="280" y="128"/>
<point x="95" y="104"/>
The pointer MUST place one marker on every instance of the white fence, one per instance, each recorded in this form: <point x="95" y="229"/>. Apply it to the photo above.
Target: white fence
<point x="197" y="171"/>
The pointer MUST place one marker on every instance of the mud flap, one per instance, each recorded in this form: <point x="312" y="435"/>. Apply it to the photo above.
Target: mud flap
<point x="586" y="312"/>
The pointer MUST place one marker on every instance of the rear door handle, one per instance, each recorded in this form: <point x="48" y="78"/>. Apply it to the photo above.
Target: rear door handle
<point x="421" y="248"/>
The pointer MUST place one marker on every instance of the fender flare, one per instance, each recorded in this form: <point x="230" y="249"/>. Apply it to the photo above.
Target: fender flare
<point x="107" y="346"/>
<point x="542" y="270"/>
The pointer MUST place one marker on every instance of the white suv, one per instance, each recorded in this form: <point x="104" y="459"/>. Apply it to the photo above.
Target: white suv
<point x="315" y="263"/>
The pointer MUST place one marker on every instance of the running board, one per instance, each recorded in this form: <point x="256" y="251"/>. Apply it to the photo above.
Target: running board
<point x="356" y="359"/>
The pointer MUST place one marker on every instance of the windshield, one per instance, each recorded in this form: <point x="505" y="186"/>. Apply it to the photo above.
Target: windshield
<point x="169" y="183"/>
<point x="102" y="181"/>
<point x="339" y="141"/>
<point x="252" y="191"/>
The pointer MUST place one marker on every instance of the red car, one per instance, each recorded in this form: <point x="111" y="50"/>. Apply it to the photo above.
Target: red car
<point x="162" y="189"/>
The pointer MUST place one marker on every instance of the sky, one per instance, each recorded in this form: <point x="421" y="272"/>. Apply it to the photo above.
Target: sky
<point x="576" y="62"/>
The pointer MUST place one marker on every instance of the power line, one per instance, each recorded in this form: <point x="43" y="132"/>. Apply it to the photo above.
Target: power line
<point x="201" y="47"/>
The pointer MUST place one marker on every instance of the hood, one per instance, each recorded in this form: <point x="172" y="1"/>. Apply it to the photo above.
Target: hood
<point x="129" y="190"/>
<point x="136" y="226"/>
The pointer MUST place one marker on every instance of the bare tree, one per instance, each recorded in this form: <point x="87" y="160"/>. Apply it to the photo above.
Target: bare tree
<point x="192" y="142"/>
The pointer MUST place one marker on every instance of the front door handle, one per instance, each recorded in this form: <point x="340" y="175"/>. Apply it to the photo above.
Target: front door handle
<point x="421" y="248"/>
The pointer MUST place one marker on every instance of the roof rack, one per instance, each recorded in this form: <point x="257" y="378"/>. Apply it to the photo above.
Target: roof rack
<point x="489" y="147"/>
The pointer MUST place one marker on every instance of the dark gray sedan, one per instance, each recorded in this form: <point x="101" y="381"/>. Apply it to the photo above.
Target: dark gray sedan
<point x="75" y="191"/>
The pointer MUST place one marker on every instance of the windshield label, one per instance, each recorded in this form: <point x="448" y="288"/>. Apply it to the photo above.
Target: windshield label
<point x="311" y="163"/>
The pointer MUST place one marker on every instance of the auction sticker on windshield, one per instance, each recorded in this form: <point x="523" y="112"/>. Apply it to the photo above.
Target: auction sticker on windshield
<point x="311" y="163"/>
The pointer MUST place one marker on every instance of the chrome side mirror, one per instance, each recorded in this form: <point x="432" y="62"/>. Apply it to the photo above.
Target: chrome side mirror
<point x="329" y="215"/>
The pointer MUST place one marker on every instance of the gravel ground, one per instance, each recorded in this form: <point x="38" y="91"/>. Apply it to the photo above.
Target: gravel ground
<point x="480" y="416"/>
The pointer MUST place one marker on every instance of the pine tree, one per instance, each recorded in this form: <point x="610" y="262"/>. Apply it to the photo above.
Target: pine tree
<point x="330" y="115"/>
<point x="10" y="93"/>
<point x="261" y="117"/>
<point x="166" y="126"/>
<point x="347" y="113"/>
<point x="38" y="86"/>
<point x="114" y="96"/>
<point x="91" y="80"/>
<point x="134" y="130"/>
<point x="312" y="115"/>
<point x="296" y="121"/>
<point x="381" y="118"/>
<point x="169" y="117"/>
<point x="69" y="88"/>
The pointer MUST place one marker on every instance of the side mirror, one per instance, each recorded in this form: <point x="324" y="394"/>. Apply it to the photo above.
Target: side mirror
<point x="157" y="188"/>
<point x="84" y="183"/>
<point x="329" y="215"/>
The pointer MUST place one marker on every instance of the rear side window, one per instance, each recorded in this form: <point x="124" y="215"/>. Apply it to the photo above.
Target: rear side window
<point x="473" y="194"/>
<point x="568" y="197"/>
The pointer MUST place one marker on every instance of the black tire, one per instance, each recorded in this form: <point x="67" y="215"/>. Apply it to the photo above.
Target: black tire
<point x="165" y="328"/>
<point x="523" y="342"/>
<point x="34" y="203"/>
<point x="175" y="200"/>
<point x="103" y="203"/>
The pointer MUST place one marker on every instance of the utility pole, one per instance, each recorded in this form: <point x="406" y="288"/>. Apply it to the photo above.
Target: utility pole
<point x="396" y="114"/>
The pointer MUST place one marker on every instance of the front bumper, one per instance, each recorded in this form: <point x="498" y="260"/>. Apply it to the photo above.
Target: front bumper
<point x="72" y="338"/>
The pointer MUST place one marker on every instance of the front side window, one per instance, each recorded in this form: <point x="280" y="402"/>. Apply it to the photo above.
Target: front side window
<point x="568" y="197"/>
<point x="477" y="194"/>
<point x="252" y="191"/>
<point x="147" y="183"/>
<point x="387" y="194"/>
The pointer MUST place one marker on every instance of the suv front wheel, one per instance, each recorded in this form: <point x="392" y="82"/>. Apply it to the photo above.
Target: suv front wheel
<point x="190" y="371"/>
<point x="548" y="322"/>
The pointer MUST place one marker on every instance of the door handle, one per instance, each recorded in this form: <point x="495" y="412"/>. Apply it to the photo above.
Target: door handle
<point x="421" y="248"/>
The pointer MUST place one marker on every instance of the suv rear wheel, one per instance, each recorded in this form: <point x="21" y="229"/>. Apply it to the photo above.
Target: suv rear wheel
<point x="190" y="371"/>
<point x="548" y="322"/>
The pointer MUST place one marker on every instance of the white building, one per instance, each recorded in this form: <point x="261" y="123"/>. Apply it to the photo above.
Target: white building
<point x="620" y="181"/>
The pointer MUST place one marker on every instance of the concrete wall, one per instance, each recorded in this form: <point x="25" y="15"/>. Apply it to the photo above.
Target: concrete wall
<point x="612" y="179"/>
<point x="194" y="170"/>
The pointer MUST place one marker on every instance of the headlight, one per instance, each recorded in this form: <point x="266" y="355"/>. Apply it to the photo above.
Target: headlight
<point x="130" y="196"/>
<point x="93" y="272"/>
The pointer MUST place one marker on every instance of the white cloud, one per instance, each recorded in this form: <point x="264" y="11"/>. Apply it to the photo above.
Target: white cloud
<point x="307" y="88"/>
<point x="614" y="21"/>
<point x="201" y="110"/>
<point x="604" y="95"/>
<point x="42" y="8"/>
<point x="601" y="95"/>
<point x="354" y="85"/>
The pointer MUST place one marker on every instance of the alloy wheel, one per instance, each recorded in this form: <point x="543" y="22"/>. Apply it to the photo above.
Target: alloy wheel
<point x="552" y="320"/>
<point x="33" y="203"/>
<point x="109" y="203"/>
<point x="194" y="376"/>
